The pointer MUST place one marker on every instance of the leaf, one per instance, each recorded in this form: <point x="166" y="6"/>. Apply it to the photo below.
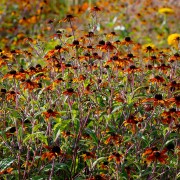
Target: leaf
<point x="98" y="160"/>
<point x="93" y="135"/>
<point x="5" y="163"/>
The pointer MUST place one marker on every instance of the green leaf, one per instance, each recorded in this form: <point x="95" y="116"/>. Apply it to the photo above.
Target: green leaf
<point x="98" y="160"/>
<point x="5" y="163"/>
<point x="93" y="135"/>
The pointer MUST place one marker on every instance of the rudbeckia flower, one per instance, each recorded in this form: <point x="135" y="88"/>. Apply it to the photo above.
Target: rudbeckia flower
<point x="53" y="152"/>
<point x="166" y="10"/>
<point x="157" y="156"/>
<point x="116" y="156"/>
<point x="87" y="155"/>
<point x="174" y="40"/>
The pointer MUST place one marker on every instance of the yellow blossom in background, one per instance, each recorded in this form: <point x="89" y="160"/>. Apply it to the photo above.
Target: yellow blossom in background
<point x="166" y="11"/>
<point x="174" y="40"/>
<point x="148" y="47"/>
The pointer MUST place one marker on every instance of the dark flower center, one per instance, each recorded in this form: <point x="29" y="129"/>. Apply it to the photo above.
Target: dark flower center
<point x="127" y="39"/>
<point x="50" y="111"/>
<point x="56" y="149"/>
<point x="102" y="42"/>
<point x="132" y="67"/>
<point x="177" y="98"/>
<point x="58" y="47"/>
<point x="12" y="130"/>
<point x="158" y="96"/>
<point x="75" y="42"/>
<point x="170" y="146"/>
<point x="157" y="154"/>
<point x="13" y="72"/>
<point x="3" y="91"/>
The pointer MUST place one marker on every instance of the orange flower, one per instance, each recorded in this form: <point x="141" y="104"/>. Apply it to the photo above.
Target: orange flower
<point x="13" y="74"/>
<point x="50" y="113"/>
<point x="108" y="46"/>
<point x="69" y="92"/>
<point x="175" y="57"/>
<point x="174" y="100"/>
<point x="155" y="156"/>
<point x="11" y="132"/>
<point x="28" y="84"/>
<point x="6" y="171"/>
<point x="67" y="134"/>
<point x="127" y="41"/>
<point x="88" y="155"/>
<point x="98" y="177"/>
<point x="132" y="121"/>
<point x="116" y="156"/>
<point x="113" y="138"/>
<point x="95" y="9"/>
<point x="11" y="95"/>
<point x="54" y="152"/>
<point x="172" y="112"/>
<point x="157" y="79"/>
<point x="104" y="165"/>
<point x="132" y="69"/>
<point x="157" y="100"/>
<point x="68" y="18"/>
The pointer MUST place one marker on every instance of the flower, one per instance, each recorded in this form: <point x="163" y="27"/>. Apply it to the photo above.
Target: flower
<point x="148" y="47"/>
<point x="166" y="10"/>
<point x="87" y="155"/>
<point x="115" y="138"/>
<point x="50" y="113"/>
<point x="174" y="40"/>
<point x="155" y="156"/>
<point x="115" y="155"/>
<point x="6" y="171"/>
<point x="53" y="152"/>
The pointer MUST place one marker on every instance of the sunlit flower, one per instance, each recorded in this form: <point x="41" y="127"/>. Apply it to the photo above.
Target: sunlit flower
<point x="174" y="40"/>
<point x="6" y="171"/>
<point x="127" y="41"/>
<point x="166" y="10"/>
<point x="148" y="48"/>
<point x="30" y="85"/>
<point x="157" y="79"/>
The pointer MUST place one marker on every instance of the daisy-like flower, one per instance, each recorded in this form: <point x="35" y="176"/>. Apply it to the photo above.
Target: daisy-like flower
<point x="69" y="92"/>
<point x="68" y="18"/>
<point x="174" y="40"/>
<point x="30" y="85"/>
<point x="155" y="156"/>
<point x="148" y="48"/>
<point x="11" y="95"/>
<point x="157" y="79"/>
<point x="113" y="138"/>
<point x="116" y="156"/>
<point x="50" y="113"/>
<point x="166" y="10"/>
<point x="174" y="100"/>
<point x="53" y="152"/>
<point x="127" y="41"/>
<point x="88" y="155"/>
<point x="132" y="122"/>
<point x="157" y="100"/>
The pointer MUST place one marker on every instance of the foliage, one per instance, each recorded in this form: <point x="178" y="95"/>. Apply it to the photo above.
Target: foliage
<point x="89" y="91"/>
